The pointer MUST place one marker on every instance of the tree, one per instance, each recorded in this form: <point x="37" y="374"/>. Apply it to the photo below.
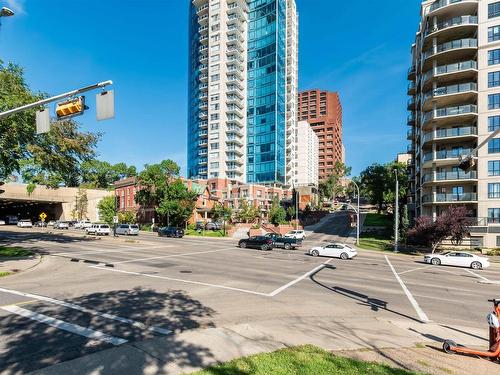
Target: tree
<point x="290" y="212"/>
<point x="52" y="159"/>
<point x="277" y="213"/>
<point x="334" y="185"/>
<point x="453" y="224"/>
<point x="221" y="213"/>
<point x="106" y="208"/>
<point x="405" y="224"/>
<point x="127" y="217"/>
<point x="177" y="205"/>
<point x="101" y="174"/>
<point x="247" y="212"/>
<point x="81" y="205"/>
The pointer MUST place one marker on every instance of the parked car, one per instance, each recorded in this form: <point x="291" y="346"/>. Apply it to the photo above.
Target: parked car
<point x="170" y="232"/>
<point x="285" y="242"/>
<point x="82" y="224"/>
<point x="11" y="220"/>
<point x="213" y="226"/>
<point x="51" y="223"/>
<point x="99" y="230"/>
<point x="298" y="234"/>
<point x="41" y="224"/>
<point x="334" y="250"/>
<point x="257" y="242"/>
<point x="61" y="225"/>
<point x="458" y="259"/>
<point x="25" y="223"/>
<point x="2" y="222"/>
<point x="128" y="229"/>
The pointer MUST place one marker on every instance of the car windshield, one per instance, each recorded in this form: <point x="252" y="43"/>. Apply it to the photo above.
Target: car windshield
<point x="134" y="226"/>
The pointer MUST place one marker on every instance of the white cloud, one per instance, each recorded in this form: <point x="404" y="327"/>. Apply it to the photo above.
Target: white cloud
<point x="17" y="6"/>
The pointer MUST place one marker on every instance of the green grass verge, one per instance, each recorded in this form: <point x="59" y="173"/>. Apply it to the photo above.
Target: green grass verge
<point x="377" y="220"/>
<point x="303" y="360"/>
<point x="206" y="233"/>
<point x="10" y="252"/>
<point x="375" y="242"/>
<point x="4" y="273"/>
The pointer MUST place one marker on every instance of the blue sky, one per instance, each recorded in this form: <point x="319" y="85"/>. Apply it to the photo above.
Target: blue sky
<point x="358" y="48"/>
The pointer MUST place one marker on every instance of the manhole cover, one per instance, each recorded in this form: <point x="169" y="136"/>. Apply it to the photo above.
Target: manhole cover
<point x="186" y="271"/>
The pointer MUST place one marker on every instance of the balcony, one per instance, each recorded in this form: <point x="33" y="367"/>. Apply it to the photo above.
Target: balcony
<point x="204" y="39"/>
<point x="461" y="26"/>
<point x="412" y="87"/>
<point x="235" y="29"/>
<point x="444" y="7"/>
<point x="203" y="105"/>
<point x="411" y="104"/>
<point x="232" y="89"/>
<point x="449" y="177"/>
<point x="234" y="129"/>
<point x="204" y="77"/>
<point x="203" y="19"/>
<point x="203" y="114"/>
<point x="234" y="139"/>
<point x="203" y="29"/>
<point x="202" y="9"/>
<point x="449" y="95"/>
<point x="444" y="157"/>
<point x="234" y="19"/>
<point x="449" y="198"/>
<point x="203" y="58"/>
<point x="411" y="119"/>
<point x="202" y="161"/>
<point x="410" y="148"/>
<point x="466" y="113"/>
<point x="203" y="133"/>
<point x="203" y="124"/>
<point x="465" y="70"/>
<point x="410" y="134"/>
<point x="455" y="132"/>
<point x="233" y="149"/>
<point x="412" y="73"/>
<point x="460" y="49"/>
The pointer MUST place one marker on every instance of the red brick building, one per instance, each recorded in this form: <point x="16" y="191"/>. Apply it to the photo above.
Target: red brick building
<point x="323" y="111"/>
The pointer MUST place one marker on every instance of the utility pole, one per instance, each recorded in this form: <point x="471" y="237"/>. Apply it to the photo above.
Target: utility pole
<point x="357" y="211"/>
<point x="396" y="214"/>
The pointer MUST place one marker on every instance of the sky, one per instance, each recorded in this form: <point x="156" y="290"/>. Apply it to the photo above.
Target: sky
<point x="360" y="49"/>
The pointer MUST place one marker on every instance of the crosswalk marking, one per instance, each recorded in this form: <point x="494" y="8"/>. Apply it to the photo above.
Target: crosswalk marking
<point x="89" y="311"/>
<point x="65" y="326"/>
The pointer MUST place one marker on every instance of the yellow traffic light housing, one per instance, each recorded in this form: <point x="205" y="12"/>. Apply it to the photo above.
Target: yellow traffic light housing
<point x="70" y="108"/>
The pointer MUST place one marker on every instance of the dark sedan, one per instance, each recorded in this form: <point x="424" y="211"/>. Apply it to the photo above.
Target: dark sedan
<point x="257" y="242"/>
<point x="170" y="232"/>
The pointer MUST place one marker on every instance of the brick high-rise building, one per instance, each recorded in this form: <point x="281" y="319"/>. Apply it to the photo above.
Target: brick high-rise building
<point x="323" y="111"/>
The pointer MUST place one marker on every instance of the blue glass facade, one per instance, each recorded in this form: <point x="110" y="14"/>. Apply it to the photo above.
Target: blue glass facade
<point x="193" y="95"/>
<point x="266" y="90"/>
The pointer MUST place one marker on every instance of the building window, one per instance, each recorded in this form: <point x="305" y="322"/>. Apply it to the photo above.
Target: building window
<point x="494" y="146"/>
<point x="494" y="57"/>
<point x="493" y="101"/>
<point x="494" y="168"/>
<point x="493" y="79"/>
<point x="215" y="146"/>
<point x="494" y="190"/>
<point x="494" y="10"/>
<point x="493" y="215"/>
<point x="493" y="123"/>
<point x="493" y="33"/>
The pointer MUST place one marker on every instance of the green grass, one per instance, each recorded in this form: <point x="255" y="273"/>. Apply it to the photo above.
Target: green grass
<point x="377" y="220"/>
<point x="11" y="252"/>
<point x="206" y="233"/>
<point x="375" y="242"/>
<point x="303" y="360"/>
<point x="4" y="273"/>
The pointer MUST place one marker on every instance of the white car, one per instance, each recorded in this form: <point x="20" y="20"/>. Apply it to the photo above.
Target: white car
<point x="334" y="250"/>
<point x="83" y="224"/>
<point x="2" y="222"/>
<point x="61" y="225"/>
<point x="458" y="259"/>
<point x="99" y="229"/>
<point x="26" y="223"/>
<point x="297" y="234"/>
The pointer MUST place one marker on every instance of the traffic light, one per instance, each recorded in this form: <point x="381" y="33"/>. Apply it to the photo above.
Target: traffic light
<point x="1" y="190"/>
<point x="70" y="108"/>
<point x="466" y="164"/>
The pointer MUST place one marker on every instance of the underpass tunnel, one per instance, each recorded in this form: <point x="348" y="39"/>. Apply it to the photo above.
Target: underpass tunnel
<point x="30" y="210"/>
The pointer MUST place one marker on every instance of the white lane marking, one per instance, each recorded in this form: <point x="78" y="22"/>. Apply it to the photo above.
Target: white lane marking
<point x="421" y="314"/>
<point x="88" y="311"/>
<point x="65" y="326"/>
<point x="173" y="255"/>
<point x="416" y="269"/>
<point x="111" y="250"/>
<point x="298" y="279"/>
<point x="182" y="281"/>
<point x="483" y="279"/>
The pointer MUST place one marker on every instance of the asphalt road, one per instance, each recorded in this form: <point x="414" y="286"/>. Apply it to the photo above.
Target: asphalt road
<point x="89" y="294"/>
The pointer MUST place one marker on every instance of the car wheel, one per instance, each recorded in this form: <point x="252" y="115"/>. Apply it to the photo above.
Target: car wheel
<point x="344" y="256"/>
<point x="288" y="246"/>
<point x="264" y="247"/>
<point x="476" y="265"/>
<point x="243" y="244"/>
<point x="435" y="261"/>
<point x="447" y="345"/>
<point x="315" y="253"/>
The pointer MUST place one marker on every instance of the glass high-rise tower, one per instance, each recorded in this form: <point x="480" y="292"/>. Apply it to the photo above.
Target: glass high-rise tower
<point x="243" y="90"/>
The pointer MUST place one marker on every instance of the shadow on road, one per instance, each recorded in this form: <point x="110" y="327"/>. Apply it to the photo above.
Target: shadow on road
<point x="28" y="345"/>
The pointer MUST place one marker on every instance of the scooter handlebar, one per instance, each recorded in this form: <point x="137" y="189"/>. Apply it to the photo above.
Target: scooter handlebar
<point x="495" y="301"/>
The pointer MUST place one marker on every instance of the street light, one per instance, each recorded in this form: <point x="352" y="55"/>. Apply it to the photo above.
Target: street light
<point x="357" y="212"/>
<point x="396" y="213"/>
<point x="6" y="12"/>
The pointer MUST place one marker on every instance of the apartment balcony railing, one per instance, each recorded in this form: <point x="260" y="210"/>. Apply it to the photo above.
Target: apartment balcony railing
<point x="203" y="133"/>
<point x="203" y="161"/>
<point x="409" y="134"/>
<point x="450" y="90"/>
<point x="450" y="133"/>
<point x="450" y="68"/>
<point x="446" y="154"/>
<point x="411" y="72"/>
<point x="411" y="88"/>
<point x="411" y="119"/>
<point x="443" y="3"/>
<point x="450" y="111"/>
<point x="411" y="103"/>
<point x="410" y="148"/>
<point x="203" y="18"/>
<point x="456" y="21"/>
<point x="452" y="45"/>
<point x="449" y="176"/>
<point x="202" y="8"/>
<point x="203" y="29"/>
<point x="449" y="198"/>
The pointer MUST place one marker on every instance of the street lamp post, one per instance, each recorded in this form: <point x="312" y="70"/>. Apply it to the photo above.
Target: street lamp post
<point x="396" y="214"/>
<point x="357" y="211"/>
<point x="5" y="12"/>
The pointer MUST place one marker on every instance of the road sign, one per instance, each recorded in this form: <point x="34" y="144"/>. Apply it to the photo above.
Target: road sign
<point x="43" y="216"/>
<point x="105" y="105"/>
<point x="42" y="121"/>
<point x="115" y="219"/>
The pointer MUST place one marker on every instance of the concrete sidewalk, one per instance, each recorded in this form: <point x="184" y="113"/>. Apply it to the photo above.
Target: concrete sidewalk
<point x="191" y="350"/>
<point x="21" y="264"/>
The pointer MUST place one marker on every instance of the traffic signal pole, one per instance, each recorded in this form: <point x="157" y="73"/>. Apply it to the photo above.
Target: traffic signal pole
<point x="55" y="98"/>
<point x="465" y="162"/>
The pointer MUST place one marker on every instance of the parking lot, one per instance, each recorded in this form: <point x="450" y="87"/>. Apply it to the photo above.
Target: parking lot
<point x="88" y="295"/>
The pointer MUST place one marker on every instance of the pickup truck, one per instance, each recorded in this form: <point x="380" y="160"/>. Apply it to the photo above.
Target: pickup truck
<point x="284" y="242"/>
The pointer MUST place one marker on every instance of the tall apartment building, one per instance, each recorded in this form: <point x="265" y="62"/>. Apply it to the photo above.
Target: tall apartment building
<point x="242" y="77"/>
<point x="454" y="105"/>
<point x="307" y="155"/>
<point x="323" y="111"/>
